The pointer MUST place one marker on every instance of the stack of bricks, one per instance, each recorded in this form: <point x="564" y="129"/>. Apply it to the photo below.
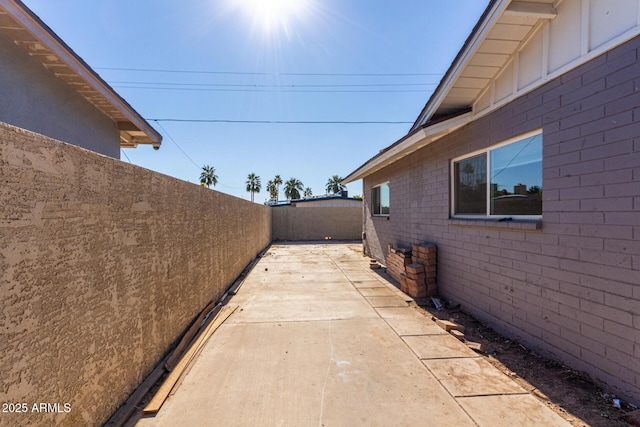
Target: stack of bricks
<point x="413" y="281"/>
<point x="425" y="255"/>
<point x="396" y="262"/>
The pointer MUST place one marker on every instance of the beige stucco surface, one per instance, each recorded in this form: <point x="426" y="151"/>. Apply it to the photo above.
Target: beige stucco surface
<point x="295" y="223"/>
<point x="102" y="265"/>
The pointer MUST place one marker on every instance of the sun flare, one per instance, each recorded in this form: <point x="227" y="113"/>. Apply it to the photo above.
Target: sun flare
<point x="272" y="15"/>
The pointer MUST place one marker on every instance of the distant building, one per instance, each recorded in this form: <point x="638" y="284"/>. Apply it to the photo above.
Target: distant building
<point x="47" y="88"/>
<point x="520" y="189"/>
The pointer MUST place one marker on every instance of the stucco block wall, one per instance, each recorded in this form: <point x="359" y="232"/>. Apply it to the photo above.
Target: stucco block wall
<point x="316" y="223"/>
<point x="572" y="286"/>
<point x="33" y="98"/>
<point x="102" y="266"/>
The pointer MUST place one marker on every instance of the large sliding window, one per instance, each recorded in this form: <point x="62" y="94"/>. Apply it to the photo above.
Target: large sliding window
<point x="380" y="200"/>
<point x="503" y="180"/>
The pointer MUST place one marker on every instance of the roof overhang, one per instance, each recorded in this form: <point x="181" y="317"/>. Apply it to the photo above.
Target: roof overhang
<point x="503" y="27"/>
<point x="501" y="30"/>
<point x="39" y="41"/>
<point x="412" y="142"/>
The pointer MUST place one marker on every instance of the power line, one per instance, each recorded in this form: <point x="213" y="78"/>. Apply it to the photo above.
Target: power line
<point x="174" y="141"/>
<point x="295" y="122"/>
<point x="152" y="70"/>
<point x="272" y="86"/>
<point x="125" y="154"/>
<point x="187" y="156"/>
<point x="269" y="90"/>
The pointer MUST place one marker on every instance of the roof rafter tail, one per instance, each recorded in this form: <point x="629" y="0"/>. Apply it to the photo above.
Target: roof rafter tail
<point x="28" y="31"/>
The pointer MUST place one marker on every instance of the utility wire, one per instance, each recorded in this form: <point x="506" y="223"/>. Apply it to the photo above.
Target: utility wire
<point x="152" y="70"/>
<point x="531" y="139"/>
<point x="186" y="155"/>
<point x="271" y="86"/>
<point x="268" y="90"/>
<point x="296" y="122"/>
<point x="174" y="141"/>
<point x="125" y="154"/>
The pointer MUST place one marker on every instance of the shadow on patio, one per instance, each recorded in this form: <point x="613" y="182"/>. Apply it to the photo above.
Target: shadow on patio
<point x="320" y="339"/>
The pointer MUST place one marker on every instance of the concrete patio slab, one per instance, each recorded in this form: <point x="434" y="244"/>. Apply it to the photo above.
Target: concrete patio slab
<point x="295" y="302"/>
<point x="376" y="292"/>
<point x="359" y="274"/>
<point x="386" y="302"/>
<point x="471" y="377"/>
<point x="308" y="374"/>
<point x="438" y="346"/>
<point x="326" y="268"/>
<point x="407" y="321"/>
<point x="368" y="284"/>
<point x="359" y="277"/>
<point x="522" y="410"/>
<point x="308" y="277"/>
<point x="314" y="351"/>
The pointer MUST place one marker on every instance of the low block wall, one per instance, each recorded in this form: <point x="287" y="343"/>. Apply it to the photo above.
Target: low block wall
<point x="316" y="223"/>
<point x="102" y="266"/>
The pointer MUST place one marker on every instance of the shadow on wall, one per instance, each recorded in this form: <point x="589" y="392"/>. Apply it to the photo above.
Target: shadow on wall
<point x="104" y="265"/>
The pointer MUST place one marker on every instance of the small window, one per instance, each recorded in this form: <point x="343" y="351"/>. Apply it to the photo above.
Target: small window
<point x="380" y="200"/>
<point x="505" y="180"/>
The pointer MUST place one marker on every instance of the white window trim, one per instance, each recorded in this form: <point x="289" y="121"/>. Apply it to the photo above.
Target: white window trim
<point x="378" y="186"/>
<point x="488" y="207"/>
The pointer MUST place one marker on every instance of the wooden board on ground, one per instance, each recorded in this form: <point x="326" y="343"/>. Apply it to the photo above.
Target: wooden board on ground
<point x="449" y="326"/>
<point x="124" y="412"/>
<point x="158" y="399"/>
<point x="456" y="333"/>
<point x="475" y="346"/>
<point x="186" y="339"/>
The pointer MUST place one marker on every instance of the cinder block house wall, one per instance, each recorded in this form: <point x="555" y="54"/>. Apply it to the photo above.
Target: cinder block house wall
<point x="33" y="98"/>
<point x="571" y="287"/>
<point x="102" y="266"/>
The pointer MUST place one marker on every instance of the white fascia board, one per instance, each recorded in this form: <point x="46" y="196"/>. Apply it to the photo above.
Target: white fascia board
<point x="52" y="42"/>
<point x="458" y="66"/>
<point x="531" y="10"/>
<point x="408" y="145"/>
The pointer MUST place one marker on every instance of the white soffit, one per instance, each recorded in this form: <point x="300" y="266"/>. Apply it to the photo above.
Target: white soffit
<point x="516" y="46"/>
<point x="493" y="52"/>
<point x="505" y="27"/>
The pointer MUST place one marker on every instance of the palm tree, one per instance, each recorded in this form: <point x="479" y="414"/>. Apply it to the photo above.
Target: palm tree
<point x="273" y="194"/>
<point x="277" y="181"/>
<point x="253" y="184"/>
<point x="208" y="176"/>
<point x="292" y="189"/>
<point x="307" y="192"/>
<point x="334" y="184"/>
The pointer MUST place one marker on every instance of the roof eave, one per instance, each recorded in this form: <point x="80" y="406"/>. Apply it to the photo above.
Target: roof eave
<point x="410" y="143"/>
<point x="39" y="30"/>
<point x="491" y="14"/>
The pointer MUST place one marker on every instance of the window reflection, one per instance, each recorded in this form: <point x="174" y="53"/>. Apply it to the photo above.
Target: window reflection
<point x="514" y="175"/>
<point x="471" y="185"/>
<point x="516" y="178"/>
<point x="380" y="200"/>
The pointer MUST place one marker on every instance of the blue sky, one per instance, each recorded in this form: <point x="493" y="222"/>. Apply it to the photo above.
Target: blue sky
<point x="311" y="61"/>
